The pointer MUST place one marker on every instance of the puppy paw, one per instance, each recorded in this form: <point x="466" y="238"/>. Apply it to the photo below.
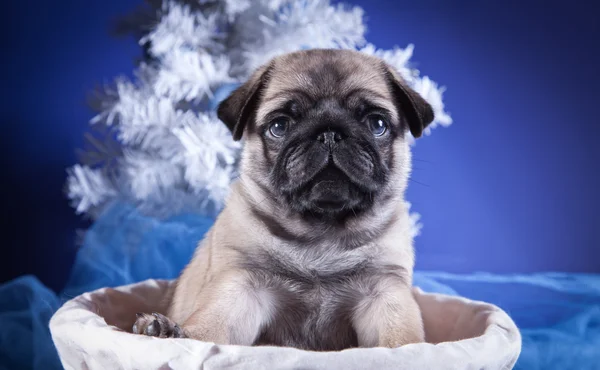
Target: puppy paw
<point x="156" y="325"/>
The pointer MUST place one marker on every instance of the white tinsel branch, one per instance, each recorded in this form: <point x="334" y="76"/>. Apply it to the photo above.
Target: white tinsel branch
<point x="149" y="175"/>
<point x="303" y="24"/>
<point x="397" y="58"/>
<point x="143" y="120"/>
<point x="235" y="7"/>
<point x="415" y="224"/>
<point x="190" y="75"/>
<point x="207" y="149"/>
<point x="182" y="28"/>
<point x="88" y="188"/>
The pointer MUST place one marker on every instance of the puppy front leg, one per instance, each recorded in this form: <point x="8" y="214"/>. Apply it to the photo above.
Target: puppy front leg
<point x="388" y="318"/>
<point x="233" y="316"/>
<point x="230" y="312"/>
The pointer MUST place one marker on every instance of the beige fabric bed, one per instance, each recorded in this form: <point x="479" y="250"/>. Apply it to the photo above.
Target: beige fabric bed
<point x="92" y="332"/>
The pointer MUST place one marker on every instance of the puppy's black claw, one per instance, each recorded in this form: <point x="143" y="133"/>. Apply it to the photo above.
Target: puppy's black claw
<point x="153" y="330"/>
<point x="156" y="325"/>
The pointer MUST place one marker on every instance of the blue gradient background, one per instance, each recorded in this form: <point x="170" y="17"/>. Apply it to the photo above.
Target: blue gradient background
<point x="511" y="186"/>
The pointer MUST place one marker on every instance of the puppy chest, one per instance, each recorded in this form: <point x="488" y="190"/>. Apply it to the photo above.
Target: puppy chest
<point x="312" y="316"/>
<point x="311" y="305"/>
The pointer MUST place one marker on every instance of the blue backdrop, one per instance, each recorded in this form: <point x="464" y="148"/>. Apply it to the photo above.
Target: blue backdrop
<point x="509" y="187"/>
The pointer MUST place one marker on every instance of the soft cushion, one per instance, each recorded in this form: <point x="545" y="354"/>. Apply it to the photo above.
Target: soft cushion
<point x="93" y="331"/>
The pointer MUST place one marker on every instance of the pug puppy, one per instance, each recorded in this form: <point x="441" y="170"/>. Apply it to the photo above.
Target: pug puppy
<point x="313" y="249"/>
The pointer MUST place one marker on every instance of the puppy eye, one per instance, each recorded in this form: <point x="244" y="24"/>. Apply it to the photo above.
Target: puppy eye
<point x="377" y="125"/>
<point x="278" y="127"/>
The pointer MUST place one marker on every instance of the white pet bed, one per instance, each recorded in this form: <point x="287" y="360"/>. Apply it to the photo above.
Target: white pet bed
<point x="92" y="331"/>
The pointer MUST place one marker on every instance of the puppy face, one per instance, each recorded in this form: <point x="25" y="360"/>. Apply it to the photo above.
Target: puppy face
<point x="323" y="130"/>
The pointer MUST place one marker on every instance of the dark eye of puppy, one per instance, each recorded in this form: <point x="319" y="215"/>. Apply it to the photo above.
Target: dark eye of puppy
<point x="280" y="120"/>
<point x="279" y="127"/>
<point x="377" y="124"/>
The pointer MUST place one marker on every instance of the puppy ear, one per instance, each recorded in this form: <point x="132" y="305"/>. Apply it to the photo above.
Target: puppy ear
<point x="418" y="112"/>
<point x="238" y="107"/>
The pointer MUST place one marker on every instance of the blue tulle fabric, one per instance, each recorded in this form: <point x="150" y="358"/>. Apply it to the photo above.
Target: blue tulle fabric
<point x="558" y="314"/>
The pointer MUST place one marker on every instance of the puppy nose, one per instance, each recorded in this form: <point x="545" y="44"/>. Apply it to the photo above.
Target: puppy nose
<point x="329" y="138"/>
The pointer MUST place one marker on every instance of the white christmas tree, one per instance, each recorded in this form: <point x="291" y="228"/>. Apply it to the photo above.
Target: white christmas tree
<point x="162" y="148"/>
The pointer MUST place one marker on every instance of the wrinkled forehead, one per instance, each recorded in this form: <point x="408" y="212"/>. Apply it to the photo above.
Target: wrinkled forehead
<point x="322" y="76"/>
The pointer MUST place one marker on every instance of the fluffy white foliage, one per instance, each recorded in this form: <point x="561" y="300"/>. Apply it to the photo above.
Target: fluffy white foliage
<point x="175" y="155"/>
<point x="189" y="75"/>
<point x="88" y="188"/>
<point x="181" y="28"/>
<point x="203" y="155"/>
<point x="415" y="224"/>
<point x="149" y="175"/>
<point x="234" y="7"/>
<point x="302" y="24"/>
<point x="397" y="58"/>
